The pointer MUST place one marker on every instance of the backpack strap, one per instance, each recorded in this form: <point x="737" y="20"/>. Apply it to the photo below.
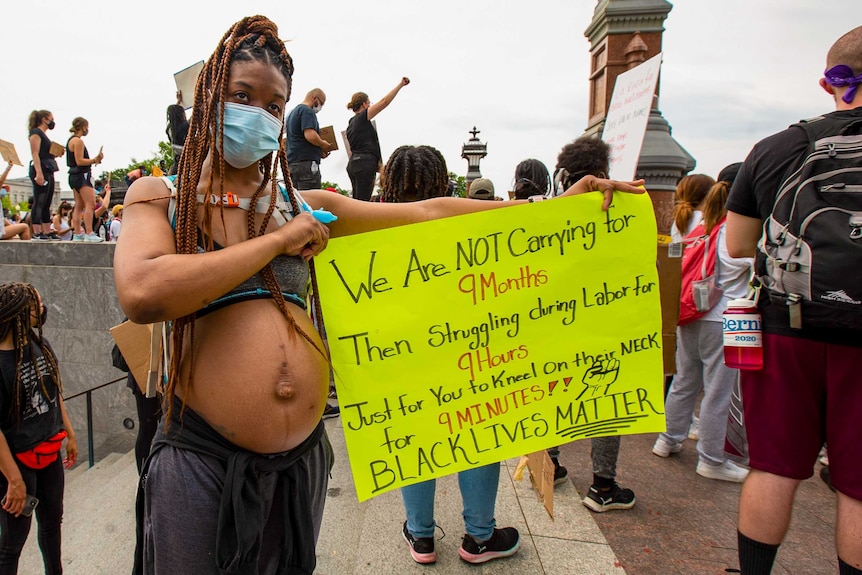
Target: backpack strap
<point x="282" y="214"/>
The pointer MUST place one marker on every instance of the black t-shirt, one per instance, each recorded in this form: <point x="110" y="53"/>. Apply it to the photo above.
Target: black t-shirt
<point x="48" y="161"/>
<point x="753" y="195"/>
<point x="299" y="149"/>
<point x="362" y="136"/>
<point x="39" y="416"/>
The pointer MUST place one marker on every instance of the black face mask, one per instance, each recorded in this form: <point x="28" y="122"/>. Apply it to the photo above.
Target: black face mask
<point x="51" y="125"/>
<point x="44" y="315"/>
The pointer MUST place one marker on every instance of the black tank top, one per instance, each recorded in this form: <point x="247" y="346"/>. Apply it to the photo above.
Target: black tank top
<point x="74" y="168"/>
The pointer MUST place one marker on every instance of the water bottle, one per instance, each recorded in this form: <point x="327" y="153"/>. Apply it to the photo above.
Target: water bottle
<point x="743" y="338"/>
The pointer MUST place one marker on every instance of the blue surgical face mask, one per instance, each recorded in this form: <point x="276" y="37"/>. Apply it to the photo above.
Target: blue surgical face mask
<point x="250" y="133"/>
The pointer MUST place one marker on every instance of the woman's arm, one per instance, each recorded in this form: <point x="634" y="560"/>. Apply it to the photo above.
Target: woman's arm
<point x="5" y="173"/>
<point x="355" y="217"/>
<point x="16" y="494"/>
<point x="71" y="439"/>
<point x="380" y="105"/>
<point x="76" y="144"/>
<point x="35" y="142"/>
<point x="154" y="283"/>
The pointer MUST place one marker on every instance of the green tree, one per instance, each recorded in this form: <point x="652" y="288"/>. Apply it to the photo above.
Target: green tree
<point x="460" y="184"/>
<point x="334" y="186"/>
<point x="164" y="155"/>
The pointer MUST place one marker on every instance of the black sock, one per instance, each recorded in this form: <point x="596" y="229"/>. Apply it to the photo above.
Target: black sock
<point x="755" y="558"/>
<point x="845" y="569"/>
<point x="603" y="483"/>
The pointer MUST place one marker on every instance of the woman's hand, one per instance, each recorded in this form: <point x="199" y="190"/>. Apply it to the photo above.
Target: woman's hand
<point x="71" y="451"/>
<point x="304" y="236"/>
<point x="606" y="187"/>
<point x="40" y="180"/>
<point x="405" y="80"/>
<point x="15" y="497"/>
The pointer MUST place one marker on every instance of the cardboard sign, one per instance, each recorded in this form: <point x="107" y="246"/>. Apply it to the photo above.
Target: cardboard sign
<point x="328" y="134"/>
<point x="625" y="124"/>
<point x="56" y="149"/>
<point x="186" y="80"/>
<point x="141" y="347"/>
<point x="7" y="150"/>
<point x="468" y="340"/>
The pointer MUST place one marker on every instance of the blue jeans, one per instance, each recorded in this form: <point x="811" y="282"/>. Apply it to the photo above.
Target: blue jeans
<point x="478" y="494"/>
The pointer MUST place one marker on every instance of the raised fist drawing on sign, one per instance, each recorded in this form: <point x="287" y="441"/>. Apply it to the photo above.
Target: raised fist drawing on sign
<point x="602" y="372"/>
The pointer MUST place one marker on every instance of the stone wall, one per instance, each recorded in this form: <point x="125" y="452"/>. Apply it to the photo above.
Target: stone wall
<point x="76" y="281"/>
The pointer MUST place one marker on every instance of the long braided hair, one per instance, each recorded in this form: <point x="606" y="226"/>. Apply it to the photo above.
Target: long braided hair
<point x="17" y="301"/>
<point x="415" y="173"/>
<point x="251" y="39"/>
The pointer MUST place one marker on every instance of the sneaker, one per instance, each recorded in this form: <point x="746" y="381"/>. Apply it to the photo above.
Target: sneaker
<point x="330" y="411"/>
<point x="561" y="474"/>
<point x="727" y="471"/>
<point x="664" y="448"/>
<point x="54" y="237"/>
<point x="615" y="498"/>
<point x="93" y="238"/>
<point x="421" y="548"/>
<point x="503" y="543"/>
<point x="39" y="238"/>
<point x="694" y="428"/>
<point x="78" y="237"/>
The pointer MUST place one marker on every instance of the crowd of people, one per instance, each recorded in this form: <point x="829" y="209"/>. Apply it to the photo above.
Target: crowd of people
<point x="241" y="446"/>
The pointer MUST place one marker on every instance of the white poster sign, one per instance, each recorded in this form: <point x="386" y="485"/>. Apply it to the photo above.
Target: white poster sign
<point x="625" y="124"/>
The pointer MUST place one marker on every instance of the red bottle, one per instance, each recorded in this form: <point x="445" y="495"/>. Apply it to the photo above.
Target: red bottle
<point x="743" y="338"/>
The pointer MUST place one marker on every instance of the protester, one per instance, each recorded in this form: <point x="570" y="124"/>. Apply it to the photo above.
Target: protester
<point x="365" y="157"/>
<point x="42" y="169"/>
<point x="176" y="130"/>
<point x="305" y="147"/>
<point x="413" y="174"/>
<point x="583" y="157"/>
<point x="10" y="229"/>
<point x="808" y="391"/>
<point x="700" y="343"/>
<point x="116" y="223"/>
<point x="80" y="175"/>
<point x="34" y="424"/>
<point x="479" y="189"/>
<point x="531" y="179"/>
<point x="61" y="222"/>
<point x="248" y="422"/>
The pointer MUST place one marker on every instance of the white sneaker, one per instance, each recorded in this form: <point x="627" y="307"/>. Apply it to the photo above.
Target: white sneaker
<point x="94" y="238"/>
<point x="664" y="448"/>
<point x="78" y="237"/>
<point x="694" y="428"/>
<point x="727" y="471"/>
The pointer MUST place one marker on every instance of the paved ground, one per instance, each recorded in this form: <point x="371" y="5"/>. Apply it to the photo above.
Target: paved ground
<point x="684" y="524"/>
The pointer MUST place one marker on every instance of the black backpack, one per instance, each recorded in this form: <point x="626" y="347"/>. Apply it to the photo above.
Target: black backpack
<point x="810" y="254"/>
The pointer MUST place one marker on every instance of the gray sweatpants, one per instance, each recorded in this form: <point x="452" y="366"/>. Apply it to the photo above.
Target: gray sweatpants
<point x="183" y="493"/>
<point x="604" y="452"/>
<point x="700" y="366"/>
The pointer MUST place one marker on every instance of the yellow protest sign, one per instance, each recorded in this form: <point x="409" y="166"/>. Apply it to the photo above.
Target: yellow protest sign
<point x="469" y="340"/>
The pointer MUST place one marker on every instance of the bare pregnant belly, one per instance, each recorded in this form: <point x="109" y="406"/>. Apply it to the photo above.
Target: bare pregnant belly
<point x="257" y="381"/>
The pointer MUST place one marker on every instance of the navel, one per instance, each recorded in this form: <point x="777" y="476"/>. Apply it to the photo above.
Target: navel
<point x="284" y="388"/>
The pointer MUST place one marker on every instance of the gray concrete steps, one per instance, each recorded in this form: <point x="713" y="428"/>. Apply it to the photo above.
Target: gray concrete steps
<point x="98" y="521"/>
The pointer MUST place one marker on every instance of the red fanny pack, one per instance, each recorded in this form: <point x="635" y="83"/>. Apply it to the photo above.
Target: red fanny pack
<point x="43" y="454"/>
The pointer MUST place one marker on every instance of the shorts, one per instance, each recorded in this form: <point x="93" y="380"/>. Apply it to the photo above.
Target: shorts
<point x="808" y="393"/>
<point x="80" y="180"/>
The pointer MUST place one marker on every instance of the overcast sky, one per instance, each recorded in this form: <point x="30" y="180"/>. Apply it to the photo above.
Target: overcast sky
<point x="734" y="71"/>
